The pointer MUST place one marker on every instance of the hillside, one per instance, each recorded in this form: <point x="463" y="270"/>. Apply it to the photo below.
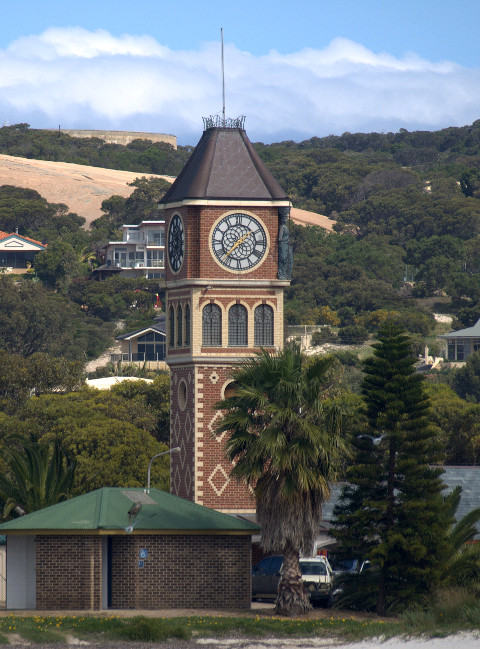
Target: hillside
<point x="83" y="188"/>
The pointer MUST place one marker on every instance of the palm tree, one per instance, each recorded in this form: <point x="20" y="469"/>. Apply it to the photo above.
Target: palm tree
<point x="462" y="565"/>
<point x="37" y="475"/>
<point x="284" y="443"/>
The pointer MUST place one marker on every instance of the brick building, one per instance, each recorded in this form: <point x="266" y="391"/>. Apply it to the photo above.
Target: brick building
<point x="126" y="548"/>
<point x="224" y="216"/>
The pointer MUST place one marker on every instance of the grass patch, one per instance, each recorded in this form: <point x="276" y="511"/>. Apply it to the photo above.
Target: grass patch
<point x="42" y="636"/>
<point x="151" y="629"/>
<point x="156" y="629"/>
<point x="147" y="629"/>
<point x="445" y="613"/>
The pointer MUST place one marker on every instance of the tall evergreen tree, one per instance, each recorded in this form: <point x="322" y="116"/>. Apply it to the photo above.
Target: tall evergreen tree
<point x="392" y="512"/>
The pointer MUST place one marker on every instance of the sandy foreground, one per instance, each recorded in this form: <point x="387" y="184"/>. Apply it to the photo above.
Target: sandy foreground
<point x="463" y="641"/>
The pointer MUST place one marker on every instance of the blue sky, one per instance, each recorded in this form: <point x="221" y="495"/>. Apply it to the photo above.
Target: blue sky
<point x="296" y="69"/>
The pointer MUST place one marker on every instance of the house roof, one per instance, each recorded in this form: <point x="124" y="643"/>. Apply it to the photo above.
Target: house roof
<point x="157" y="327"/>
<point x="224" y="165"/>
<point x="469" y="332"/>
<point x="467" y="477"/>
<point x="11" y="235"/>
<point x="106" y="510"/>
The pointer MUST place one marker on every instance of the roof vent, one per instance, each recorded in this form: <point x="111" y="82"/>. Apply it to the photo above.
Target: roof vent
<point x="215" y="121"/>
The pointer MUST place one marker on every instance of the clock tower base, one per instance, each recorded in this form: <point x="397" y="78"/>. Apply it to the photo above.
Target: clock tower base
<point x="200" y="472"/>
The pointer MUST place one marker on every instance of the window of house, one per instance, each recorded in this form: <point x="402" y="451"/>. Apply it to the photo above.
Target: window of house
<point x="212" y="325"/>
<point x="187" y="325"/>
<point x="157" y="237"/>
<point x="152" y="345"/>
<point x="263" y="326"/>
<point x="451" y="350"/>
<point x="172" y="327"/>
<point x="460" y="352"/>
<point x="179" y="326"/>
<point x="237" y="326"/>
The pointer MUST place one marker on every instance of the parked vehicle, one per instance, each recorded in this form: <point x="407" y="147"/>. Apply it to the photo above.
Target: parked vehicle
<point x="316" y="574"/>
<point x="339" y="566"/>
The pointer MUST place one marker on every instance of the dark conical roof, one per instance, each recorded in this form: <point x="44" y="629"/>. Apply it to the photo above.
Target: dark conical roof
<point x="224" y="165"/>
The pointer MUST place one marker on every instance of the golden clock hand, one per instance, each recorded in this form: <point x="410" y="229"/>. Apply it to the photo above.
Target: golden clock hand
<point x="238" y="242"/>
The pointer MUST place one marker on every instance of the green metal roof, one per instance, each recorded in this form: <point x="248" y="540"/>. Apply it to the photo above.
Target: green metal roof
<point x="106" y="509"/>
<point x="470" y="332"/>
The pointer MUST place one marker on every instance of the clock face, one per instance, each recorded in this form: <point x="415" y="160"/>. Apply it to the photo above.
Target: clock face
<point x="239" y="242"/>
<point x="176" y="243"/>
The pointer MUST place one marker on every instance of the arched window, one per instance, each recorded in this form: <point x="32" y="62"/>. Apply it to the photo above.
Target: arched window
<point x="212" y="325"/>
<point x="187" y="325"/>
<point x="237" y="326"/>
<point x="263" y="330"/>
<point x="179" y="326"/>
<point x="172" y="327"/>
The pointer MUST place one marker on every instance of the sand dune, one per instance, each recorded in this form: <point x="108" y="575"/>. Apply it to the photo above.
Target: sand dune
<point x="83" y="188"/>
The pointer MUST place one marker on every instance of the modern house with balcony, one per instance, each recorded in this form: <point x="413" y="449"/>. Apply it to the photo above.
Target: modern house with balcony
<point x="141" y="253"/>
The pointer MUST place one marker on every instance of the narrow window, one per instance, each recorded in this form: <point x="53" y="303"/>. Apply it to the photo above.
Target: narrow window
<point x="187" y="325"/>
<point x="263" y="317"/>
<point x="237" y="326"/>
<point x="179" y="326"/>
<point x="212" y="325"/>
<point x="172" y="327"/>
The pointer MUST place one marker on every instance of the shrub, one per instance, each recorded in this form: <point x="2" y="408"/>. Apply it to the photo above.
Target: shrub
<point x="353" y="335"/>
<point x="322" y="336"/>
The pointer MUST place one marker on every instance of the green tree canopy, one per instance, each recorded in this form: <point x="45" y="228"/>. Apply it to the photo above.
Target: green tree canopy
<point x="111" y="437"/>
<point x="58" y="264"/>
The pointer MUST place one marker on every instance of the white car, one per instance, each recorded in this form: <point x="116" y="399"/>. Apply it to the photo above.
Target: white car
<point x="316" y="573"/>
<point x="318" y="578"/>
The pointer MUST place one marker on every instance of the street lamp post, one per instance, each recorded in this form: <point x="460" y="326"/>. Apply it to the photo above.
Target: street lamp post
<point x="176" y="449"/>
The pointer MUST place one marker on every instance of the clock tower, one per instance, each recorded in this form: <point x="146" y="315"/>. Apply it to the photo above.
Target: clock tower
<point x="228" y="263"/>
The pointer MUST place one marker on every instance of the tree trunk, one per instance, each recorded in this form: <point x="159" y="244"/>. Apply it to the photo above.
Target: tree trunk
<point x="291" y="598"/>
<point x="389" y="521"/>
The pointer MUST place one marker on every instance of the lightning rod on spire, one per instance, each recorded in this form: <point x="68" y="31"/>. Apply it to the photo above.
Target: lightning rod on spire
<point x="223" y="77"/>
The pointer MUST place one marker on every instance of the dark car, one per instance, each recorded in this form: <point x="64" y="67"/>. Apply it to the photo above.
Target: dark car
<point x="316" y="574"/>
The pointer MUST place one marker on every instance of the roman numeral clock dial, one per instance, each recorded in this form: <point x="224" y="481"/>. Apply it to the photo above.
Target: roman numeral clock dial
<point x="176" y="243"/>
<point x="239" y="242"/>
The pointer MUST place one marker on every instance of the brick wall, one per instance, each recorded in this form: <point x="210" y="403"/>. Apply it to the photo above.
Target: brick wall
<point x="199" y="262"/>
<point x="182" y="431"/>
<point x="180" y="571"/>
<point x="69" y="572"/>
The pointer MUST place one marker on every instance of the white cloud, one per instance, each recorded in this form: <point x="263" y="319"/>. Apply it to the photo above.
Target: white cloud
<point x="83" y="79"/>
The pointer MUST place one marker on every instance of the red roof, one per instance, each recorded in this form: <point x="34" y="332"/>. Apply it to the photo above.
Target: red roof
<point x="5" y="235"/>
